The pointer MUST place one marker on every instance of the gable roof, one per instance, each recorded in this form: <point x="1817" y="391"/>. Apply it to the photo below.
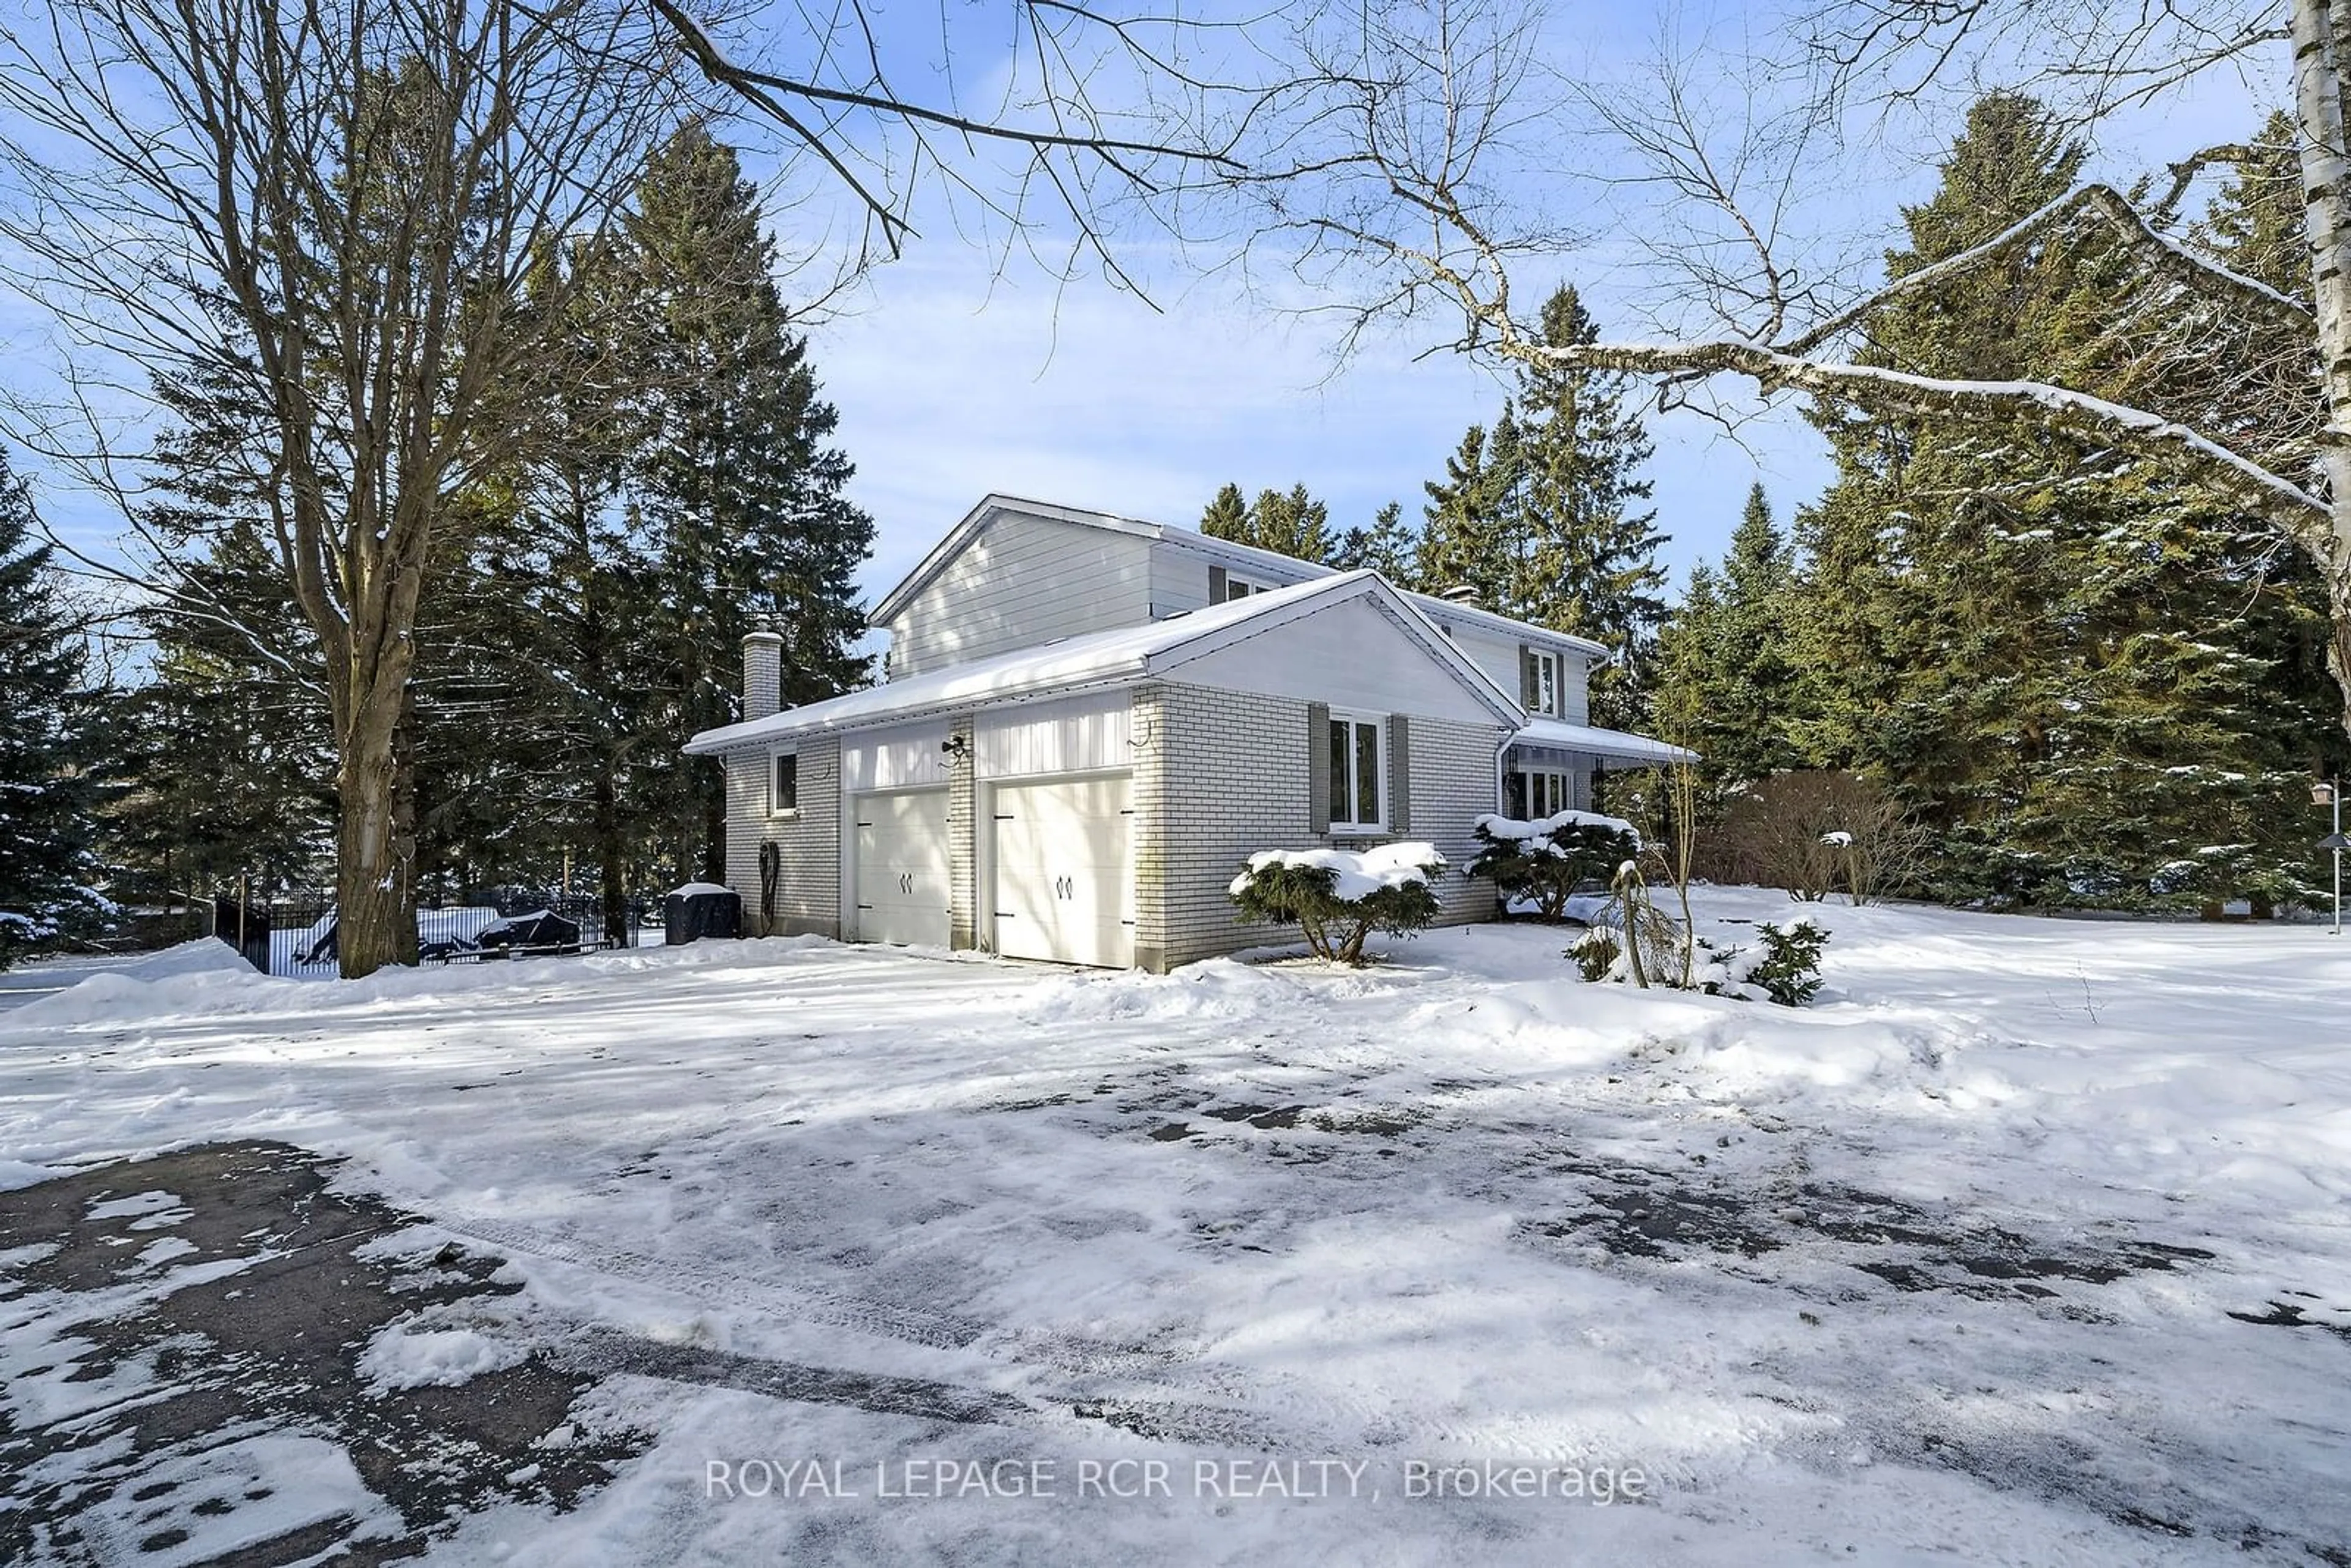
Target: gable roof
<point x="1282" y="568"/>
<point x="1115" y="657"/>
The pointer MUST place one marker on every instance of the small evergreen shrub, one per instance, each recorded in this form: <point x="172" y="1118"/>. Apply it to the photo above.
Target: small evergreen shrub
<point x="1595" y="953"/>
<point x="1339" y="897"/>
<point x="1789" y="968"/>
<point x="1545" y="860"/>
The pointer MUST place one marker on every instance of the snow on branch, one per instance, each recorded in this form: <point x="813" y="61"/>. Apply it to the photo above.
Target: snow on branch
<point x="2245" y="483"/>
<point x="2108" y="207"/>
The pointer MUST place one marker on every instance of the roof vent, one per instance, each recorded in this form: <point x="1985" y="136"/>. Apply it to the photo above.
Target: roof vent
<point x="1461" y="594"/>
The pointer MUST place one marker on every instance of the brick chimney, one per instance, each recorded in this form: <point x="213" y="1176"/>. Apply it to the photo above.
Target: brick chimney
<point x="763" y="675"/>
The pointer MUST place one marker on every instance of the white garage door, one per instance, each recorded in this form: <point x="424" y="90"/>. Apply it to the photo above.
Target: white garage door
<point x="1065" y="872"/>
<point x="902" y="867"/>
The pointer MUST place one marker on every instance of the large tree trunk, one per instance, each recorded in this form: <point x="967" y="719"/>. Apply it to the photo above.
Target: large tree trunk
<point x="370" y="894"/>
<point x="610" y="851"/>
<point x="2322" y="35"/>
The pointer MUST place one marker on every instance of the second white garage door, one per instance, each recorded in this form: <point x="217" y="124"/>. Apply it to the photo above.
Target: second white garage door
<point x="903" y="889"/>
<point x="1065" y="872"/>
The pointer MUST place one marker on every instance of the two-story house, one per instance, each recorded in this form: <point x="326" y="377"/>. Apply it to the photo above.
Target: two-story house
<point x="1091" y="721"/>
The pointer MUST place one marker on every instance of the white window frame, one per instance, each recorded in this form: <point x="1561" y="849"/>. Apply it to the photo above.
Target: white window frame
<point x="1556" y="785"/>
<point x="1242" y="587"/>
<point x="774" y="757"/>
<point x="1348" y="822"/>
<point x="1550" y="681"/>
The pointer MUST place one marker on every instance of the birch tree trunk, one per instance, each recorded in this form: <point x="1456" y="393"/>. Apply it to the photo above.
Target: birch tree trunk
<point x="2322" y="39"/>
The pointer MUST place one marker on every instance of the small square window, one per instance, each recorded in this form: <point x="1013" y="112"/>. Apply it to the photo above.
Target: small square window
<point x="784" y="794"/>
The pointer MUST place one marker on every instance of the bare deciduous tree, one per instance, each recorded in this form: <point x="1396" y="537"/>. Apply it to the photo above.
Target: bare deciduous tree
<point x="328" y="214"/>
<point x="343" y="220"/>
<point x="1436" y="117"/>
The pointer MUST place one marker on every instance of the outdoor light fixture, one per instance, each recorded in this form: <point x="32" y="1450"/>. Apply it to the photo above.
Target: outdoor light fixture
<point x="955" y="745"/>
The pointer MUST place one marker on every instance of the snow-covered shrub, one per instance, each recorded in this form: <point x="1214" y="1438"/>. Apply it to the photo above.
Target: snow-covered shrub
<point x="1338" y="897"/>
<point x="1596" y="953"/>
<point x="1784" y="966"/>
<point x="1788" y="970"/>
<point x="1545" y="860"/>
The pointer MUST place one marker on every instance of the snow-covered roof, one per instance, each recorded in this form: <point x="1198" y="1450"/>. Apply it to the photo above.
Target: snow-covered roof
<point x="1279" y="568"/>
<point x="1614" y="744"/>
<point x="1124" y="654"/>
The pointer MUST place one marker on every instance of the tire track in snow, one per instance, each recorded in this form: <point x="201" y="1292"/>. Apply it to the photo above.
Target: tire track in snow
<point x="1160" y="1392"/>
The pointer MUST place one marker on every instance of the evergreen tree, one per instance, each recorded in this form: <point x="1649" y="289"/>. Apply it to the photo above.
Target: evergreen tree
<point x="740" y="491"/>
<point x="1386" y="547"/>
<point x="1294" y="524"/>
<point x="1727" y="645"/>
<point x="1462" y="544"/>
<point x="1227" y="516"/>
<point x="1584" y="547"/>
<point x="2071" y="668"/>
<point x="46" y="864"/>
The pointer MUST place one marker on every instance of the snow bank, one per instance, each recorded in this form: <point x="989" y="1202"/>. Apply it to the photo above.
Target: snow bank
<point x="1361" y="872"/>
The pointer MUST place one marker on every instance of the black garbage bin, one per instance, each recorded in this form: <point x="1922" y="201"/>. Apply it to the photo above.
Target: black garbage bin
<point x="701" y="909"/>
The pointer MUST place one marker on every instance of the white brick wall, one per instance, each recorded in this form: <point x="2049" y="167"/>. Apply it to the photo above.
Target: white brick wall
<point x="1240" y="786"/>
<point x="809" y="895"/>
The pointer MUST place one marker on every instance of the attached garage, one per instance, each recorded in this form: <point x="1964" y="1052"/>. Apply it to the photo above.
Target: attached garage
<point x="1063" y="852"/>
<point x="902" y="876"/>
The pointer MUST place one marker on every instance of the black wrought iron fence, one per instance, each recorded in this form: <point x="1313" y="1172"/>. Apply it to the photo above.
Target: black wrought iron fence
<point x="299" y="935"/>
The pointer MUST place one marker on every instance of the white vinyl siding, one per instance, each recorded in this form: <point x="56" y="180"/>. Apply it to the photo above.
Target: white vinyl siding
<point x="1020" y="581"/>
<point x="1351" y="654"/>
<point x="1076" y="735"/>
<point x="1186" y="577"/>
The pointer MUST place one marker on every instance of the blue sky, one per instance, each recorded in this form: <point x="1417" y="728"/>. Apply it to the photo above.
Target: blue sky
<point x="955" y="377"/>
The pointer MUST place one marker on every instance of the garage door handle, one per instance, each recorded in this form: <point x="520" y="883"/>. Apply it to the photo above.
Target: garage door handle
<point x="865" y="906"/>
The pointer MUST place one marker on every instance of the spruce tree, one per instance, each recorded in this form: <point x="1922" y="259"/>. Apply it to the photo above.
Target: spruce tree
<point x="1461" y="543"/>
<point x="1386" y="547"/>
<point x="46" y="864"/>
<point x="1583" y="544"/>
<point x="2080" y="673"/>
<point x="1294" y="524"/>
<point x="1726" y="644"/>
<point x="739" y="485"/>
<point x="1227" y="515"/>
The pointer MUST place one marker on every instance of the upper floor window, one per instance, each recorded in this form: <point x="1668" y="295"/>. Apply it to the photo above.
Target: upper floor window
<point x="1238" y="588"/>
<point x="1358" y="764"/>
<point x="1541" y="676"/>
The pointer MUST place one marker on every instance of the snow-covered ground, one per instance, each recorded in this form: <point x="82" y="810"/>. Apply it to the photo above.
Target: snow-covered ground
<point x="2029" y="1244"/>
